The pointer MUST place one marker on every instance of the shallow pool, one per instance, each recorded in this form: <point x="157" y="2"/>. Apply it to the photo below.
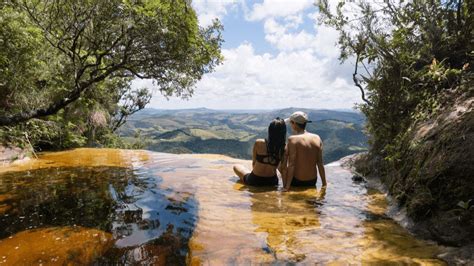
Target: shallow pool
<point x="109" y="206"/>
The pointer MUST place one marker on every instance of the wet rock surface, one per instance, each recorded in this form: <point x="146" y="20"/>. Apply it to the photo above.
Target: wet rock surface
<point x="10" y="154"/>
<point x="54" y="246"/>
<point x="161" y="209"/>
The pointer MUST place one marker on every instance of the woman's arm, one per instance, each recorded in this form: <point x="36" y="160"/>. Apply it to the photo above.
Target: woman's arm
<point x="254" y="154"/>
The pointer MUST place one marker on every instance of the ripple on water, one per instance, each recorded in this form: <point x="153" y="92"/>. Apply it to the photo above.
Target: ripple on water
<point x="156" y="208"/>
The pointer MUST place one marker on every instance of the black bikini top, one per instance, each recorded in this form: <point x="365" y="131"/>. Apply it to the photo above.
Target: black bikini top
<point x="267" y="159"/>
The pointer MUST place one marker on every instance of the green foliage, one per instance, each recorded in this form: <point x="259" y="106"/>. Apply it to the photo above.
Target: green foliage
<point x="466" y="205"/>
<point x="82" y="44"/>
<point x="25" y="63"/>
<point x="71" y="64"/>
<point x="418" y="58"/>
<point x="413" y="52"/>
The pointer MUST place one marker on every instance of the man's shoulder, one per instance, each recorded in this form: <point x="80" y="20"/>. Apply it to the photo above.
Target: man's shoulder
<point x="302" y="136"/>
<point x="293" y="138"/>
<point x="313" y="135"/>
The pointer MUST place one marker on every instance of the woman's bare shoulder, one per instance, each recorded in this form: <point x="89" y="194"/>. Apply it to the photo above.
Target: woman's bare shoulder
<point x="259" y="144"/>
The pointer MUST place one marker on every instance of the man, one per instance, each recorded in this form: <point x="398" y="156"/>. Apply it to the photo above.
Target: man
<point x="304" y="153"/>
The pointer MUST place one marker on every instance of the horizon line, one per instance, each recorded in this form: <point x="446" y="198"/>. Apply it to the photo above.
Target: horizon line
<point x="252" y="109"/>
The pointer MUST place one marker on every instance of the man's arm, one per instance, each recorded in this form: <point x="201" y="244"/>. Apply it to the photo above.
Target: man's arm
<point x="291" y="164"/>
<point x="320" y="166"/>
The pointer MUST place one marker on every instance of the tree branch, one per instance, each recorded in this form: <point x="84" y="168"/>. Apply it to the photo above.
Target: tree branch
<point x="63" y="102"/>
<point x="357" y="83"/>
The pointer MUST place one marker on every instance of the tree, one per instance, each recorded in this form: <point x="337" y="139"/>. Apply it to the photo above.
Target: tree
<point x="410" y="52"/>
<point x="131" y="101"/>
<point x="83" y="43"/>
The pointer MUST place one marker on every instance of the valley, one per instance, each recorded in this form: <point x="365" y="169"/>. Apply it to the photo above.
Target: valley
<point x="233" y="132"/>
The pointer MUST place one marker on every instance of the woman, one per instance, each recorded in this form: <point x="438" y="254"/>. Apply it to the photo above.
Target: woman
<point x="268" y="155"/>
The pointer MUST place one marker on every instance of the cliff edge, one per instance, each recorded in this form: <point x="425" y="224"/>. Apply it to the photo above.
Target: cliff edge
<point x="433" y="175"/>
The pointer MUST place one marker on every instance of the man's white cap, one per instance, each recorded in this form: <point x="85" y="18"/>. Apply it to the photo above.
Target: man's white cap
<point x="298" y="117"/>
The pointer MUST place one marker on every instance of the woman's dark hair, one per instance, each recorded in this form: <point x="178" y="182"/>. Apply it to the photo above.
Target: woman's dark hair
<point x="276" y="139"/>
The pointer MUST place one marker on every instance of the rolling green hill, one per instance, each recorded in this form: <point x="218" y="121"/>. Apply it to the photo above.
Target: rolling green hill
<point x="234" y="132"/>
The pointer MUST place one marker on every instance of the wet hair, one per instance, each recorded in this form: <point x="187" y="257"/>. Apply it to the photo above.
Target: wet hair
<point x="276" y="139"/>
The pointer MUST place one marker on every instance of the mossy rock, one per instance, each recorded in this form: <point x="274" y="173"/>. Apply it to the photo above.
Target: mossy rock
<point x="420" y="204"/>
<point x="431" y="170"/>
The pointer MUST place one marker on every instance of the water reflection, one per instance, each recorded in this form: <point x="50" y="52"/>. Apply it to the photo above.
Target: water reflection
<point x="283" y="217"/>
<point x="343" y="224"/>
<point x="125" y="202"/>
<point x="153" y="208"/>
<point x="385" y="242"/>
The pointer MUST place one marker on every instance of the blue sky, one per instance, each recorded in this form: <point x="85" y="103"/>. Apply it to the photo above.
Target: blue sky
<point x="276" y="55"/>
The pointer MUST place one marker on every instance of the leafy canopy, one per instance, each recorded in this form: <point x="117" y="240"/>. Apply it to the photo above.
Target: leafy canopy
<point x="58" y="50"/>
<point x="407" y="54"/>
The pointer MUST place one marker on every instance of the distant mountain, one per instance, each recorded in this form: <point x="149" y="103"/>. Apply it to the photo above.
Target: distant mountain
<point x="233" y="132"/>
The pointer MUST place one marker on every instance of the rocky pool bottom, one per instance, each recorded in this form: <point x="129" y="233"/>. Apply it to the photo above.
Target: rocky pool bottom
<point x="108" y="206"/>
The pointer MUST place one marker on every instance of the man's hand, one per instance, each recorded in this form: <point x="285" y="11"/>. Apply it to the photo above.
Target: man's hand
<point x="322" y="173"/>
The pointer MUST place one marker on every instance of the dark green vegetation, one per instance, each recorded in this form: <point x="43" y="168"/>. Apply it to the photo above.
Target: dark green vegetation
<point x="234" y="132"/>
<point x="66" y="66"/>
<point x="417" y="59"/>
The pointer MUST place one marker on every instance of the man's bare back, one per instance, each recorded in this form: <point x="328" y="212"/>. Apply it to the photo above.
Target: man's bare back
<point x="304" y="153"/>
<point x="306" y="149"/>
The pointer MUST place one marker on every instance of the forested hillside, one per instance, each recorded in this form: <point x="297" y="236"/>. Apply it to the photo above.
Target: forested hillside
<point x="234" y="132"/>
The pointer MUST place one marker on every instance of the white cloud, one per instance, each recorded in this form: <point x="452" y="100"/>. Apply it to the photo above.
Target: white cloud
<point x="262" y="81"/>
<point x="208" y="10"/>
<point x="304" y="72"/>
<point x="322" y="41"/>
<point x="282" y="20"/>
<point x="277" y="8"/>
<point x="290" y="41"/>
<point x="272" y="27"/>
<point x="294" y="21"/>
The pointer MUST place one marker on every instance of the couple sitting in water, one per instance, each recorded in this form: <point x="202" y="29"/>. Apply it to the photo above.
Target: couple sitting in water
<point x="297" y="161"/>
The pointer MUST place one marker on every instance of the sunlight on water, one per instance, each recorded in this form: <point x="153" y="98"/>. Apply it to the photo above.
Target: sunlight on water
<point x="114" y="206"/>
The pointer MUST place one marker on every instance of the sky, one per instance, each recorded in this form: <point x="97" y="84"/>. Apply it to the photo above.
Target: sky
<point x="276" y="55"/>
